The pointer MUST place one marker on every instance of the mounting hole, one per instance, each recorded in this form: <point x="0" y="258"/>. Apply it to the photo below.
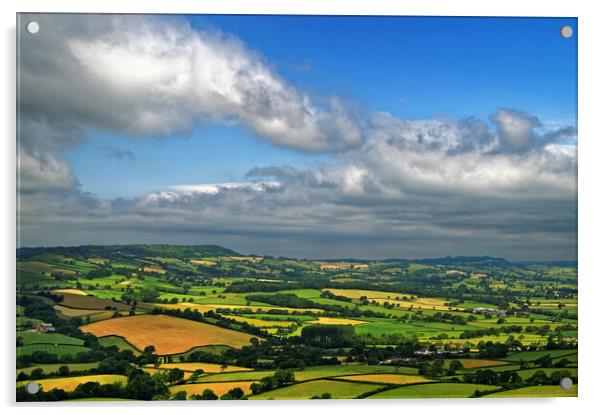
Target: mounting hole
<point x="33" y="27"/>
<point x="32" y="388"/>
<point x="566" y="32"/>
<point x="566" y="383"/>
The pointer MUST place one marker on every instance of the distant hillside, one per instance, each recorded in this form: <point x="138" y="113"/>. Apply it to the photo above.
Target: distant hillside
<point x="464" y="260"/>
<point x="110" y="251"/>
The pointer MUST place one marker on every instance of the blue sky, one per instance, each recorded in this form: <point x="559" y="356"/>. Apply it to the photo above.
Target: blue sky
<point x="317" y="137"/>
<point x="410" y="67"/>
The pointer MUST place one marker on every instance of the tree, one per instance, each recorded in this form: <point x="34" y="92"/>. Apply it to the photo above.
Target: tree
<point x="196" y="375"/>
<point x="175" y="375"/>
<point x="233" y="394"/>
<point x="179" y="396"/>
<point x="37" y="373"/>
<point x="64" y="370"/>
<point x="282" y="377"/>
<point x="454" y="366"/>
<point x="143" y="387"/>
<point x="207" y="395"/>
<point x="539" y="378"/>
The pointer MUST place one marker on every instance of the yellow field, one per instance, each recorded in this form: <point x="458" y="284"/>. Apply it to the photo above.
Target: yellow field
<point x="387" y="378"/>
<point x="219" y="388"/>
<point x="336" y="320"/>
<point x="381" y="296"/>
<point x="90" y="302"/>
<point x="247" y="258"/>
<point x="69" y="291"/>
<point x="206" y="367"/>
<point x="261" y="323"/>
<point x="203" y="262"/>
<point x="203" y="308"/>
<point x="168" y="334"/>
<point x="423" y="302"/>
<point x="69" y="384"/>
<point x="126" y="282"/>
<point x="156" y="269"/>
<point x="151" y="371"/>
<point x="341" y="266"/>
<point x="77" y="312"/>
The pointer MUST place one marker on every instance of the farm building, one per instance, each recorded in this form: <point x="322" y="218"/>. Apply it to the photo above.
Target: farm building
<point x="43" y="327"/>
<point x="489" y="312"/>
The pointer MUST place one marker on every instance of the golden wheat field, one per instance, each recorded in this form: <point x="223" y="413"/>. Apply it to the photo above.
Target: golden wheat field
<point x="219" y="388"/>
<point x="336" y="320"/>
<point x="168" y="334"/>
<point x="206" y="367"/>
<point x="70" y="383"/>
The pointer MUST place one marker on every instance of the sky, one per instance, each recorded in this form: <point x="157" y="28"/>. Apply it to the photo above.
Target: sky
<point x="304" y="136"/>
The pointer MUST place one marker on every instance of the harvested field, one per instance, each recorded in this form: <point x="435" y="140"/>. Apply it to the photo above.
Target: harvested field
<point x="206" y="367"/>
<point x="219" y="388"/>
<point x="261" y="323"/>
<point x="336" y="320"/>
<point x="90" y="302"/>
<point x="69" y="291"/>
<point x="69" y="384"/>
<point x="168" y="334"/>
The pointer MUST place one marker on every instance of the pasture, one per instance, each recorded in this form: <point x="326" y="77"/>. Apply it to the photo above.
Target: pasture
<point x="386" y="379"/>
<point x="56" y="349"/>
<point x="433" y="390"/>
<point x="536" y="392"/>
<point x="54" y="367"/>
<point x="307" y="390"/>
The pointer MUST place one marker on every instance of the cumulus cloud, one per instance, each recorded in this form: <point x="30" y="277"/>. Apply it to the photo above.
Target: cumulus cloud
<point x="392" y="187"/>
<point x="150" y="75"/>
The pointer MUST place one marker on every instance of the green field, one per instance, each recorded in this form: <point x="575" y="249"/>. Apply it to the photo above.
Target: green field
<point x="307" y="390"/>
<point x="434" y="390"/>
<point x="59" y="350"/>
<point x="536" y="392"/>
<point x="120" y="342"/>
<point x="34" y="337"/>
<point x="54" y="367"/>
<point x="530" y="356"/>
<point x="342" y="327"/>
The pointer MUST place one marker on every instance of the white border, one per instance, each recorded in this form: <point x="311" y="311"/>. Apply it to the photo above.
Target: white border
<point x="590" y="136"/>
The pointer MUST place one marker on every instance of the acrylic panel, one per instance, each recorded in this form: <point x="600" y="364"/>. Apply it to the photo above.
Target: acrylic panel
<point x="295" y="207"/>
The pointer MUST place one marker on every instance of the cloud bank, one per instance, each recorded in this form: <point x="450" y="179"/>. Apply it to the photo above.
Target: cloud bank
<point x="394" y="187"/>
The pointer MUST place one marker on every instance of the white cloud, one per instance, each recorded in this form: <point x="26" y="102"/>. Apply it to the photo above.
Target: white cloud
<point x="394" y="187"/>
<point x="215" y="188"/>
<point x="515" y="128"/>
